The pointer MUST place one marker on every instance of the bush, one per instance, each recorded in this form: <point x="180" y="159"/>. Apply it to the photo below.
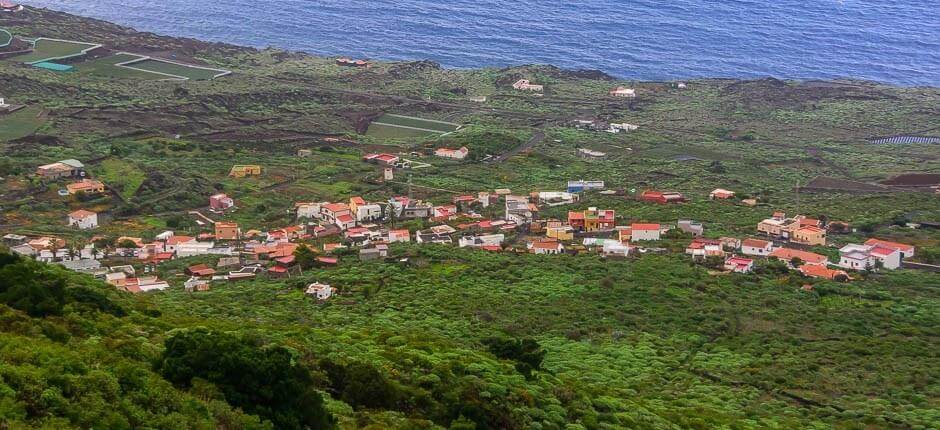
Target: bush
<point x="263" y="381"/>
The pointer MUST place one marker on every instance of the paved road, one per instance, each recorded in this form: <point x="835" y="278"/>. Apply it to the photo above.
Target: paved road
<point x="537" y="137"/>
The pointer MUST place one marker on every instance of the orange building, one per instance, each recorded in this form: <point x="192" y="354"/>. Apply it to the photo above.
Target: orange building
<point x="226" y="231"/>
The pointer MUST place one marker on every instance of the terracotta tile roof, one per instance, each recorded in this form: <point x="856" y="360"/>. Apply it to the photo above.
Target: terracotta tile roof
<point x="176" y="240"/>
<point x="816" y="271"/>
<point x="81" y="214"/>
<point x="787" y="254"/>
<point x="888" y="244"/>
<point x="645" y="227"/>
<point x="755" y="243"/>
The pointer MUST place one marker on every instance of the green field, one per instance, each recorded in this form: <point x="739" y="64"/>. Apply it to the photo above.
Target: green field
<point x="20" y="123"/>
<point x="46" y="49"/>
<point x="391" y="126"/>
<point x="106" y="67"/>
<point x="5" y="37"/>
<point x="176" y="69"/>
<point x="122" y="176"/>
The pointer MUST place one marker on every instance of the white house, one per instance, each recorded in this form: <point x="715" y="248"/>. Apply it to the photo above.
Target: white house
<point x="623" y="92"/>
<point x="524" y="84"/>
<point x="190" y="249"/>
<point x="617" y="128"/>
<point x="83" y="219"/>
<point x="368" y="212"/>
<point x="739" y="264"/>
<point x="907" y="251"/>
<point x="307" y="210"/>
<point x="757" y="247"/>
<point x="320" y="291"/>
<point x="865" y="257"/>
<point x="480" y="241"/>
<point x="616" y="248"/>
<point x="645" y="232"/>
<point x="546" y="247"/>
<point x="457" y="154"/>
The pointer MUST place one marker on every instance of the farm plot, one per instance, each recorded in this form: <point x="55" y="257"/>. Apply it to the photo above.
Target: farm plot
<point x="823" y="183"/>
<point x="392" y="126"/>
<point x="173" y="70"/>
<point x="55" y="49"/>
<point x="21" y="123"/>
<point x="5" y="38"/>
<point x="108" y="67"/>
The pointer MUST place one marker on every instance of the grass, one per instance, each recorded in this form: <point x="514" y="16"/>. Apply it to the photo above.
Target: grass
<point x="122" y="176"/>
<point x="46" y="49"/>
<point x="176" y="69"/>
<point x="5" y="37"/>
<point x="391" y="126"/>
<point x="21" y="123"/>
<point x="106" y="67"/>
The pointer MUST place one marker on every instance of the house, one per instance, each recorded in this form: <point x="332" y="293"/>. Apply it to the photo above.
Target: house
<point x="87" y="186"/>
<point x="330" y="247"/>
<point x="563" y="232"/>
<point x="590" y="154"/>
<point x="304" y="153"/>
<point x="730" y="242"/>
<point x="320" y="291"/>
<point x="196" y="284"/>
<point x="200" y="270"/>
<point x="12" y="239"/>
<point x="787" y="255"/>
<point x="592" y="219"/>
<point x="62" y="169"/>
<point x="323" y="231"/>
<point x="7" y="6"/>
<point x="307" y="209"/>
<point x="144" y="284"/>
<point x="749" y="202"/>
<point x="820" y="271"/>
<point x="444" y="211"/>
<point x="556" y="198"/>
<point x="739" y="264"/>
<point x="525" y="85"/>
<point x="546" y="247"/>
<point x="867" y="257"/>
<point x="83" y="219"/>
<point x="622" y="92"/>
<point x="616" y="248"/>
<point x="689" y="226"/>
<point x="172" y="242"/>
<point x="757" y="247"/>
<point x="481" y="241"/>
<point x="388" y="174"/>
<point x="618" y="127"/>
<point x="721" y="194"/>
<point x="367" y="212"/>
<point x="327" y="261"/>
<point x="640" y="232"/>
<point x="456" y="154"/>
<point x="432" y="237"/>
<point x="225" y="230"/>
<point x="907" y="251"/>
<point x="809" y="235"/>
<point x="348" y="62"/>
<point x="406" y="208"/>
<point x="662" y="197"/>
<point x="582" y="185"/>
<point x="332" y="211"/>
<point x="84" y="266"/>
<point x="399" y="236"/>
<point x="381" y="159"/>
<point x="519" y="210"/>
<point x="345" y="222"/>
<point x="703" y="248"/>
<point x="243" y="170"/>
<point x="220" y="202"/>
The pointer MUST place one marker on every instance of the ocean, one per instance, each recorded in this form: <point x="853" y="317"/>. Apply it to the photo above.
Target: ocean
<point x="890" y="41"/>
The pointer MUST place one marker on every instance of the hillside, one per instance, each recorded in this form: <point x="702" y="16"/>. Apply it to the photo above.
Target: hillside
<point x="438" y="336"/>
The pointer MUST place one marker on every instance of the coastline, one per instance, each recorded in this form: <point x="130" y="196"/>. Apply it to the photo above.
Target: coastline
<point x="849" y="80"/>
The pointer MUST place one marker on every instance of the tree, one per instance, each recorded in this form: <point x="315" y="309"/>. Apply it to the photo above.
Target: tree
<point x="527" y="353"/>
<point x="305" y="257"/>
<point x="262" y="380"/>
<point x="796" y="262"/>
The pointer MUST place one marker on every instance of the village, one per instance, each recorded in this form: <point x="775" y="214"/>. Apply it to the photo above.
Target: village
<point x="328" y="234"/>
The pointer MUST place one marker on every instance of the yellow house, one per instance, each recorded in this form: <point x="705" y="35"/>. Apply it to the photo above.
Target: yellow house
<point x="241" y="171"/>
<point x="560" y="232"/>
<point x="809" y="235"/>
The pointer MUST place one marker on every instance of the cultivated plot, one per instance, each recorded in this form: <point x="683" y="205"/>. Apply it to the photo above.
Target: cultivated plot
<point x="172" y="69"/>
<point x="5" y="38"/>
<point x="45" y="50"/>
<point x="108" y="67"/>
<point x="392" y="126"/>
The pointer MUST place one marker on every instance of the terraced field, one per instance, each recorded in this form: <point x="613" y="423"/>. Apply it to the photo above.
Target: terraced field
<point x="175" y="69"/>
<point x="49" y="49"/>
<point x="392" y="126"/>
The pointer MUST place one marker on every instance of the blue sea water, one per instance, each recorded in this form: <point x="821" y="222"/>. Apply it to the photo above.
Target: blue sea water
<point x="892" y="41"/>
